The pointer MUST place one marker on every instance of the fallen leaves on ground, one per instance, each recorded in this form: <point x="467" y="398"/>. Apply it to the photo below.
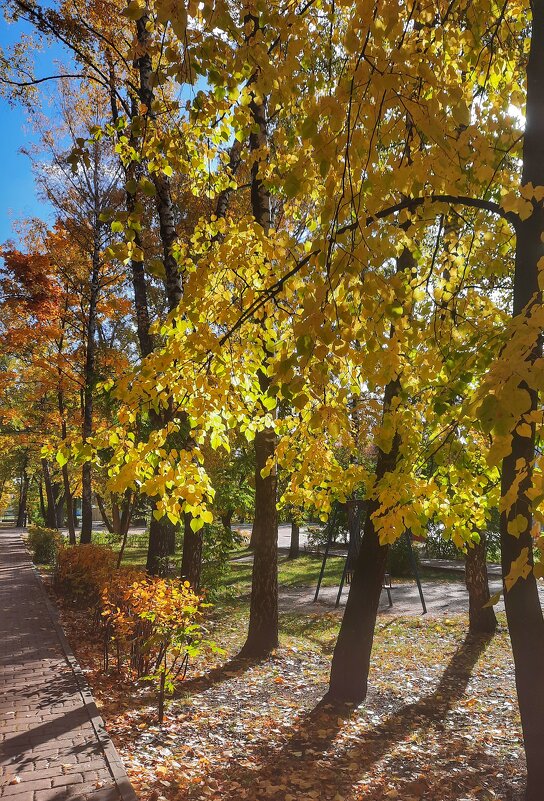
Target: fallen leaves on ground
<point x="440" y="721"/>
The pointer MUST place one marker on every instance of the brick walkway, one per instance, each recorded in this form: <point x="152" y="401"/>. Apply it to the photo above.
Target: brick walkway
<point x="53" y="746"/>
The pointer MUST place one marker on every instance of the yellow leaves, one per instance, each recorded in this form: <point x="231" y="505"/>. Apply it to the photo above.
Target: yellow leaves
<point x="531" y="192"/>
<point x="512" y="202"/>
<point x="461" y="113"/>
<point x="517" y="525"/>
<point x="501" y="413"/>
<point x="519" y="568"/>
<point x="292" y="184"/>
<point x="493" y="600"/>
<point x="135" y="10"/>
<point x="196" y="523"/>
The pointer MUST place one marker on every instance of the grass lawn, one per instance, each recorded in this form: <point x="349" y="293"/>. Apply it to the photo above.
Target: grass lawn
<point x="236" y="580"/>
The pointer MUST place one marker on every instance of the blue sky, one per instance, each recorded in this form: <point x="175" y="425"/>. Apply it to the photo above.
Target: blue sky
<point x="18" y="197"/>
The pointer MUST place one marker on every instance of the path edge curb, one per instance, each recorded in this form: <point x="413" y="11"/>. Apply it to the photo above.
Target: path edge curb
<point x="113" y="760"/>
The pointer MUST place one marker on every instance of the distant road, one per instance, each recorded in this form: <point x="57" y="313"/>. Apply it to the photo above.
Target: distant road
<point x="284" y="534"/>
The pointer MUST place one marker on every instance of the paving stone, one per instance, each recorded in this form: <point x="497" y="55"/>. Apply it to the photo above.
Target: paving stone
<point x="47" y="738"/>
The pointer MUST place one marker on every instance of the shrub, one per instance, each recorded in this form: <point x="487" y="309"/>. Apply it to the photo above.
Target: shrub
<point x="157" y="622"/>
<point x="82" y="572"/>
<point x="44" y="543"/>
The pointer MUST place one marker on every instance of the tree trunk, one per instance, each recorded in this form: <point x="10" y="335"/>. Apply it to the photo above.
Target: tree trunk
<point x="157" y="550"/>
<point x="223" y="199"/>
<point x="226" y="520"/>
<point x="171" y="539"/>
<point x="254" y="537"/>
<point x="191" y="557"/>
<point x="68" y="499"/>
<point x="59" y="505"/>
<point x="64" y="469"/>
<point x="262" y="635"/>
<point x="88" y="390"/>
<point x="167" y="228"/>
<point x="482" y="618"/>
<point x="351" y="658"/>
<point x="104" y="513"/>
<point x="523" y="610"/>
<point x="294" y="547"/>
<point x="23" y="495"/>
<point x="50" y="511"/>
<point x="115" y="514"/>
<point x="42" y="502"/>
<point x="126" y="514"/>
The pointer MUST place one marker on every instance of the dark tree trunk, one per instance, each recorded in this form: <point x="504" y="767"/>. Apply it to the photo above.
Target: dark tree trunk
<point x="23" y="495"/>
<point x="226" y="520"/>
<point x="139" y="283"/>
<point x="167" y="227"/>
<point x="89" y="380"/>
<point x="523" y="610"/>
<point x="482" y="618"/>
<point x="42" y="502"/>
<point x="50" y="515"/>
<point x="294" y="547"/>
<point x="191" y="557"/>
<point x="235" y="155"/>
<point x="126" y="511"/>
<point x="254" y="535"/>
<point x="163" y="196"/>
<point x="104" y="513"/>
<point x="171" y="538"/>
<point x="115" y="514"/>
<point x="351" y="658"/>
<point x="59" y="508"/>
<point x="126" y="514"/>
<point x="262" y="635"/>
<point x="157" y="551"/>
<point x="68" y="498"/>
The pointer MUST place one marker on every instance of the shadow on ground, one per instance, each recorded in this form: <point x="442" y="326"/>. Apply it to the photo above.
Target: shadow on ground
<point x="328" y="757"/>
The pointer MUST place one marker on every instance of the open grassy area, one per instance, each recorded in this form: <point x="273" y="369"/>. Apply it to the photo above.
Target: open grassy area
<point x="235" y="580"/>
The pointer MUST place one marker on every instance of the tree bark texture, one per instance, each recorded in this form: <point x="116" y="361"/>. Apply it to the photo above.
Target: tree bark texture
<point x="89" y="383"/>
<point x="351" y="658"/>
<point x="157" y="552"/>
<point x="191" y="557"/>
<point x="262" y="635"/>
<point x="294" y="547"/>
<point x="23" y="494"/>
<point x="481" y="618"/>
<point x="50" y="509"/>
<point x="523" y="609"/>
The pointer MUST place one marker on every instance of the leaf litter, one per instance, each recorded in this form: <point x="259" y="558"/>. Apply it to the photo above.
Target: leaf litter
<point x="440" y="721"/>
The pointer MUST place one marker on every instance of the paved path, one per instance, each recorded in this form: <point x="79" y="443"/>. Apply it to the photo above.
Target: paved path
<point x="442" y="598"/>
<point x="53" y="745"/>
